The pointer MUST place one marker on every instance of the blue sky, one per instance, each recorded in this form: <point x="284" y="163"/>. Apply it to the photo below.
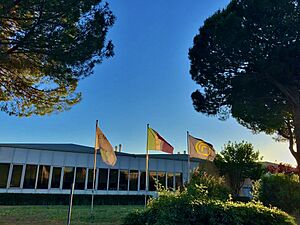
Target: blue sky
<point x="147" y="81"/>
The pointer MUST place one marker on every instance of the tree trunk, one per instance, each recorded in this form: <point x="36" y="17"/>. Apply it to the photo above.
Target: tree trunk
<point x="296" y="153"/>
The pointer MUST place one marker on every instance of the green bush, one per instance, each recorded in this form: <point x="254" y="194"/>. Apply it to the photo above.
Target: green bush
<point x="205" y="185"/>
<point x="178" y="211"/>
<point x="202" y="203"/>
<point x="280" y="190"/>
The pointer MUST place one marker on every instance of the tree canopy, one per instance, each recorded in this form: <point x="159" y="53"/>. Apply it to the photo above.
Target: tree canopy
<point x="239" y="161"/>
<point x="246" y="60"/>
<point x="46" y="47"/>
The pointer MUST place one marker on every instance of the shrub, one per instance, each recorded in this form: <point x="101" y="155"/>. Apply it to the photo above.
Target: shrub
<point x="178" y="211"/>
<point x="202" y="203"/>
<point x="282" y="168"/>
<point x="280" y="190"/>
<point x="204" y="185"/>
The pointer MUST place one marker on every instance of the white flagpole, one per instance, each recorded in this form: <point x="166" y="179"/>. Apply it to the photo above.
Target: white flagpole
<point x="94" y="171"/>
<point x="188" y="151"/>
<point x="147" y="168"/>
<point x="71" y="201"/>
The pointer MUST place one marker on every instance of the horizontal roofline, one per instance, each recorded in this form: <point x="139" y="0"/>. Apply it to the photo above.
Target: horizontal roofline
<point x="76" y="148"/>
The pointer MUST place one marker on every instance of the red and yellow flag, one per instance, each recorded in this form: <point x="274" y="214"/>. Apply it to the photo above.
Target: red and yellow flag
<point x="157" y="142"/>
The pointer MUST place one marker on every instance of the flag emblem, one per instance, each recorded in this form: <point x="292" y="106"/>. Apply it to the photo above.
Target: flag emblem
<point x="201" y="149"/>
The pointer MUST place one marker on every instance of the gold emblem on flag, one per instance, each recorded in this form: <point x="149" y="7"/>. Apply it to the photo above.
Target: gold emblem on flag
<point x="202" y="148"/>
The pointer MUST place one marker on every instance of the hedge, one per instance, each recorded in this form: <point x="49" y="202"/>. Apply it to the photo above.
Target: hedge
<point x="214" y="212"/>
<point x="280" y="190"/>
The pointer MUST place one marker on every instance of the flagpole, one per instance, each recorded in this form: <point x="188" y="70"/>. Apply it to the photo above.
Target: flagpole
<point x="188" y="150"/>
<point x="147" y="168"/>
<point x="94" y="171"/>
<point x="71" y="201"/>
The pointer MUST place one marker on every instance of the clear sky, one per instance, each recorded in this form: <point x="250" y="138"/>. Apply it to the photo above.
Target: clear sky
<point x="147" y="81"/>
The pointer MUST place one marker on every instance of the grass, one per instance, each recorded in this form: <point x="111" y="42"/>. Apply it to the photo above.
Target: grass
<point x="57" y="215"/>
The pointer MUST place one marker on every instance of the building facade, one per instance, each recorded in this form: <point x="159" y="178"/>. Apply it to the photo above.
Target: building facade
<point x="51" y="169"/>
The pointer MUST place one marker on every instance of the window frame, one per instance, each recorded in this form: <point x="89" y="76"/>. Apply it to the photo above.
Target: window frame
<point x="36" y="176"/>
<point x="7" y="176"/>
<point x="60" y="178"/>
<point x="21" y="177"/>
<point x="49" y="179"/>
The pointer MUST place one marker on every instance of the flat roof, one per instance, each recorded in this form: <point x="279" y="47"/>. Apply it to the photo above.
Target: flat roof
<point x="65" y="147"/>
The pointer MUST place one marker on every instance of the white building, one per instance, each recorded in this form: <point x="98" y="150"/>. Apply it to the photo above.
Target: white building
<point x="51" y="168"/>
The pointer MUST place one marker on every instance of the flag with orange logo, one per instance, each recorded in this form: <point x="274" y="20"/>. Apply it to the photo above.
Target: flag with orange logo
<point x="201" y="149"/>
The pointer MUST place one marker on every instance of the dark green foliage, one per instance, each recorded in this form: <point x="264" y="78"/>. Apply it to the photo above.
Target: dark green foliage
<point x="46" y="47"/>
<point x="200" y="205"/>
<point x="204" y="185"/>
<point x="239" y="161"/>
<point x="179" y="211"/>
<point x="246" y="60"/>
<point x="280" y="190"/>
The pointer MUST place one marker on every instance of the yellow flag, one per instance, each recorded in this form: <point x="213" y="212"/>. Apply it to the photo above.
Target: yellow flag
<point x="107" y="151"/>
<point x="201" y="149"/>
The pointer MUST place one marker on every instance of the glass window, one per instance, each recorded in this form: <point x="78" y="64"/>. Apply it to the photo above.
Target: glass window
<point x="143" y="181"/>
<point x="43" y="177"/>
<point x="178" y="180"/>
<point x="161" y="177"/>
<point x="68" y="177"/>
<point x="133" y="180"/>
<point x="102" y="179"/>
<point x="16" y="176"/>
<point x="90" y="179"/>
<point x="4" y="169"/>
<point x="30" y="175"/>
<point x="170" y="180"/>
<point x="113" y="179"/>
<point x="56" y="174"/>
<point x="80" y="178"/>
<point x="123" y="183"/>
<point x="152" y="180"/>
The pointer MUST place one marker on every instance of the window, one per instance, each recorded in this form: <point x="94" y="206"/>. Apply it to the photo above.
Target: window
<point x="43" y="177"/>
<point x="56" y="174"/>
<point x="16" y="176"/>
<point x="178" y="180"/>
<point x="80" y="178"/>
<point x="123" y="183"/>
<point x="30" y="175"/>
<point x="143" y="181"/>
<point x="4" y="169"/>
<point x="102" y="179"/>
<point x="68" y="177"/>
<point x="170" y="179"/>
<point x="113" y="179"/>
<point x="161" y="177"/>
<point x="90" y="179"/>
<point x="152" y="180"/>
<point x="133" y="180"/>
